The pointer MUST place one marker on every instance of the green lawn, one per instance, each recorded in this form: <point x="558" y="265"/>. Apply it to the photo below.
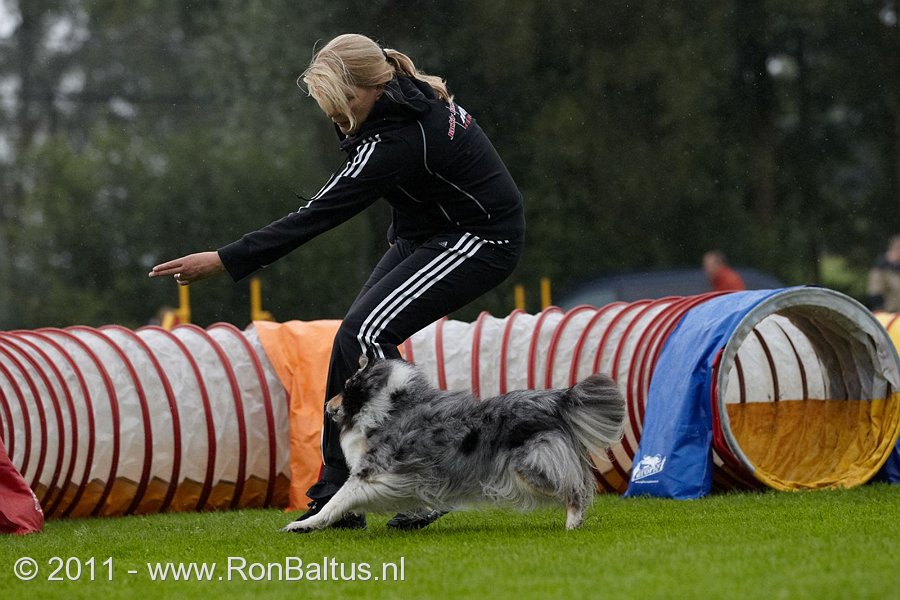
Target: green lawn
<point x="836" y="544"/>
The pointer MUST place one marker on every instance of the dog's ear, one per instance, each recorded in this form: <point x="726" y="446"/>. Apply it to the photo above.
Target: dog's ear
<point x="368" y="359"/>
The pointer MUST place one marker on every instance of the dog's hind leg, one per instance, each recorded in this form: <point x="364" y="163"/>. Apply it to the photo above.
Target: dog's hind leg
<point x="574" y="500"/>
<point x="355" y="493"/>
<point x="575" y="507"/>
<point x="574" y="516"/>
<point x="535" y="481"/>
<point x="552" y="468"/>
<point x="578" y="498"/>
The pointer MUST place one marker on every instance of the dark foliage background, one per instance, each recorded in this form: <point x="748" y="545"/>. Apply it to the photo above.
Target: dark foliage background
<point x="641" y="133"/>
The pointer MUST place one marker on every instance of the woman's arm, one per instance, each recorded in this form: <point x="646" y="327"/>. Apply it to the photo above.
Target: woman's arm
<point x="369" y="170"/>
<point x="372" y="167"/>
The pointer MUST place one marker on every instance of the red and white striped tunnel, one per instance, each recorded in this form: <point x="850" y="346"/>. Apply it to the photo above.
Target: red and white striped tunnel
<point x="110" y="421"/>
<point x="805" y="391"/>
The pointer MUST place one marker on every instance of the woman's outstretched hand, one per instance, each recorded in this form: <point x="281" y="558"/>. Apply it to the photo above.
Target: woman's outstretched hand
<point x="190" y="268"/>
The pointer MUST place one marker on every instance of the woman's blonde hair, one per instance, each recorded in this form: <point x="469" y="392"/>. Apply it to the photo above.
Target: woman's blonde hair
<point x="356" y="60"/>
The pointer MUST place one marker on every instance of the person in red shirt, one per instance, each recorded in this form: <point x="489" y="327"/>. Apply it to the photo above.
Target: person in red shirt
<point x="722" y="278"/>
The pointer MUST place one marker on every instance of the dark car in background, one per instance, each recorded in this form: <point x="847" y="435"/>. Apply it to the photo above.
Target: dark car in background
<point x="630" y="287"/>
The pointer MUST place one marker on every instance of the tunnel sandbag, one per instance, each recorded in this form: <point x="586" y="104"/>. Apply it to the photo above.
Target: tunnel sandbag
<point x="20" y="511"/>
<point x="824" y="409"/>
<point x="299" y="352"/>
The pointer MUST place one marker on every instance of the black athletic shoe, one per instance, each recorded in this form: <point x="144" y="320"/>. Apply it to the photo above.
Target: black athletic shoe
<point x="348" y="521"/>
<point x="415" y="519"/>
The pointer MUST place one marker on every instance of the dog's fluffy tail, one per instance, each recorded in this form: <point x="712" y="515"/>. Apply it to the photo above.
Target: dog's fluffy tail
<point x="595" y="409"/>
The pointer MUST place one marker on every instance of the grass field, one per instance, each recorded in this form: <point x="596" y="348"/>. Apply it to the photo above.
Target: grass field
<point x="834" y="544"/>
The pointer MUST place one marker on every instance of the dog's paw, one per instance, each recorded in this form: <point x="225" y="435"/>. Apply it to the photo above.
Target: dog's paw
<point x="297" y="527"/>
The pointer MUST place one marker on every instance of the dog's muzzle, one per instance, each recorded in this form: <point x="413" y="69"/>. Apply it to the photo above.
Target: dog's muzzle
<point x="333" y="407"/>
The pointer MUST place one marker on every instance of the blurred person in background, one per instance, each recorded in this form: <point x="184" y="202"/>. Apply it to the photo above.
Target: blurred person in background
<point x="883" y="289"/>
<point x="722" y="278"/>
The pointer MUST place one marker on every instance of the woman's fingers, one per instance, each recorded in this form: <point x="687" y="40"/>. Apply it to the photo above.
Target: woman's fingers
<point x="168" y="268"/>
<point x="192" y="267"/>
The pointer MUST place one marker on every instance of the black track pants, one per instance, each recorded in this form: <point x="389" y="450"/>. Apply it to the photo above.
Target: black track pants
<point x="411" y="287"/>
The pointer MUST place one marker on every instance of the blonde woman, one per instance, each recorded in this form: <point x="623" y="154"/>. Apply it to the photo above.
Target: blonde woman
<point x="457" y="227"/>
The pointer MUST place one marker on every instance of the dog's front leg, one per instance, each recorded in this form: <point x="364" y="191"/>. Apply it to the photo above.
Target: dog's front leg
<point x="350" y="496"/>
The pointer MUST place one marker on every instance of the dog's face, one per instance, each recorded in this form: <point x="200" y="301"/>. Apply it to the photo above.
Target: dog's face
<point x="380" y="387"/>
<point x="367" y="383"/>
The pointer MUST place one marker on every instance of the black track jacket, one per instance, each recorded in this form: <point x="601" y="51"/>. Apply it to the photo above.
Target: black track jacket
<point x="428" y="158"/>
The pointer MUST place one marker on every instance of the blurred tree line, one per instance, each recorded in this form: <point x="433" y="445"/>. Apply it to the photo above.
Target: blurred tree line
<point x="641" y="133"/>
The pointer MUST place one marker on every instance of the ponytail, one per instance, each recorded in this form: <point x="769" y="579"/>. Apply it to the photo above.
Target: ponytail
<point x="404" y="65"/>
